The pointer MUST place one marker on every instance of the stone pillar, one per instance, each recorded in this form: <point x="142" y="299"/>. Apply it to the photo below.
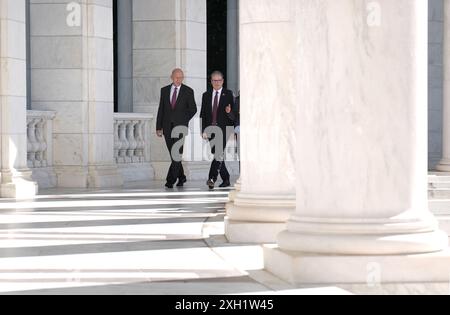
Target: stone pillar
<point x="444" y="164"/>
<point x="72" y="74"/>
<point x="362" y="178"/>
<point x="125" y="55"/>
<point x="16" y="179"/>
<point x="233" y="45"/>
<point x="169" y="34"/>
<point x="267" y="191"/>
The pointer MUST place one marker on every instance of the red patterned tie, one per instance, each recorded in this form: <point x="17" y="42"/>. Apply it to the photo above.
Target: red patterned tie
<point x="174" y="98"/>
<point x="215" y="109"/>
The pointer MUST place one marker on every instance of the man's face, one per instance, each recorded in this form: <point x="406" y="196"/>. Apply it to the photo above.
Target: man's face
<point x="177" y="78"/>
<point x="217" y="82"/>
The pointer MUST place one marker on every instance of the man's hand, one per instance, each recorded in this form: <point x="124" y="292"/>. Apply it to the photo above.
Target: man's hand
<point x="159" y="133"/>
<point x="228" y="109"/>
<point x="205" y="136"/>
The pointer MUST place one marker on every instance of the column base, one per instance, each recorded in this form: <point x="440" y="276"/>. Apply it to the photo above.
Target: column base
<point x="104" y="177"/>
<point x="18" y="186"/>
<point x="443" y="166"/>
<point x="252" y="232"/>
<point x="410" y="233"/>
<point x="249" y="217"/>
<point x="237" y="189"/>
<point x="359" y="273"/>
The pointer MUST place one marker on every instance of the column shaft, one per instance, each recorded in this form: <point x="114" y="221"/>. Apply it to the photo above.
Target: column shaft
<point x="15" y="176"/>
<point x="267" y="195"/>
<point x="233" y="45"/>
<point x="444" y="165"/>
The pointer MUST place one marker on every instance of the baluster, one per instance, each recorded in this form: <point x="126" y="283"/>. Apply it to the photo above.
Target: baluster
<point x="117" y="143"/>
<point x="30" y="161"/>
<point x="123" y="141"/>
<point x="140" y="141"/>
<point x="40" y="155"/>
<point x="34" y="145"/>
<point x="132" y="141"/>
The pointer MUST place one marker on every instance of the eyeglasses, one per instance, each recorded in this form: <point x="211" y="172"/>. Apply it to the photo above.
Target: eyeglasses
<point x="217" y="81"/>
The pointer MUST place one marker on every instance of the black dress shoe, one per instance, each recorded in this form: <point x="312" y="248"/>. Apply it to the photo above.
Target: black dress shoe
<point x="225" y="184"/>
<point x="181" y="182"/>
<point x="210" y="184"/>
<point x="170" y="186"/>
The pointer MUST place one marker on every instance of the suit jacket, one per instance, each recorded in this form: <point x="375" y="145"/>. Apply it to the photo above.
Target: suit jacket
<point x="185" y="109"/>
<point x="223" y="119"/>
<point x="235" y="114"/>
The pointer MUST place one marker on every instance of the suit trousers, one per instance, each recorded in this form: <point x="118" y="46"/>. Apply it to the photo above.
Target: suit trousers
<point x="218" y="164"/>
<point x="176" y="170"/>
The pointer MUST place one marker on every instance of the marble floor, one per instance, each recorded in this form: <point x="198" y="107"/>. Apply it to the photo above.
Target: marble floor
<point x="140" y="239"/>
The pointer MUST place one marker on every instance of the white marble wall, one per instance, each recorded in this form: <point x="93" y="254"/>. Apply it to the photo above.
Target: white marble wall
<point x="15" y="176"/>
<point x="72" y="74"/>
<point x="436" y="20"/>
<point x="168" y="34"/>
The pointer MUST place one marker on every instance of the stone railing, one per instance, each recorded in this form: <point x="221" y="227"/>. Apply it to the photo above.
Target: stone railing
<point x="132" y="138"/>
<point x="40" y="139"/>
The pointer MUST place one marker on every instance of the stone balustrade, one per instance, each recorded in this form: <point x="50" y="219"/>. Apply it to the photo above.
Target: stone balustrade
<point x="132" y="138"/>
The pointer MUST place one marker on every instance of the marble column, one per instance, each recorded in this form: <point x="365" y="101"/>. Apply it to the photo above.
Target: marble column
<point x="16" y="179"/>
<point x="267" y="191"/>
<point x="233" y="45"/>
<point x="170" y="34"/>
<point x="72" y="74"/>
<point x="362" y="178"/>
<point x="444" y="164"/>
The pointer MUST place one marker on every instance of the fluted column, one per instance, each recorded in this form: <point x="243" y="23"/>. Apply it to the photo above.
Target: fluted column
<point x="16" y="179"/>
<point x="361" y="147"/>
<point x="444" y="164"/>
<point x="267" y="194"/>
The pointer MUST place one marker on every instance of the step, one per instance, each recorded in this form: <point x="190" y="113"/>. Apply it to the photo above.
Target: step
<point x="439" y="193"/>
<point x="439" y="206"/>
<point x="437" y="185"/>
<point x="438" y="178"/>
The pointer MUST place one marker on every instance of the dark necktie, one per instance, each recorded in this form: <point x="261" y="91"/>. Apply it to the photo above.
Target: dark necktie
<point x="215" y="109"/>
<point x="174" y="98"/>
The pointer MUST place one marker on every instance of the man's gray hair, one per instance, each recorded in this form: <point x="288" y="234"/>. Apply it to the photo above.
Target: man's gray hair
<point x="217" y="73"/>
<point x="177" y="70"/>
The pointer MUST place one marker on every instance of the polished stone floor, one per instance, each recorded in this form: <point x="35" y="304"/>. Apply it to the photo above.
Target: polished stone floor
<point x="140" y="239"/>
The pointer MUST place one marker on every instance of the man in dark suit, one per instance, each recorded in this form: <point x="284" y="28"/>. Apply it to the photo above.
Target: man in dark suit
<point x="216" y="116"/>
<point x="176" y="108"/>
